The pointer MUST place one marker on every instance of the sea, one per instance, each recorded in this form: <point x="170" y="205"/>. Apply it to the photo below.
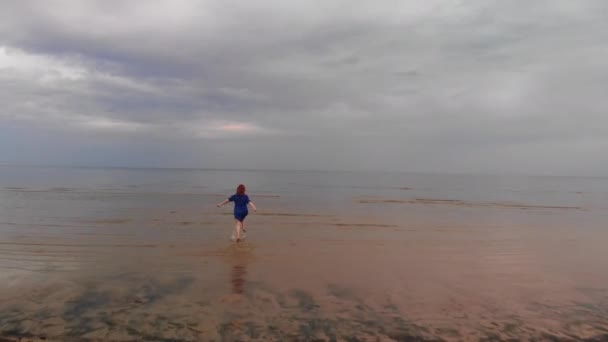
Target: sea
<point x="131" y="254"/>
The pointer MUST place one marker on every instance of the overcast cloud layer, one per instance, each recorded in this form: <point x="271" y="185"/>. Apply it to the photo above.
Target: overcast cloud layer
<point x="435" y="85"/>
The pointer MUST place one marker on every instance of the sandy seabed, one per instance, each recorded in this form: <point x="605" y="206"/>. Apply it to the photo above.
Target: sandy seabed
<point x="173" y="275"/>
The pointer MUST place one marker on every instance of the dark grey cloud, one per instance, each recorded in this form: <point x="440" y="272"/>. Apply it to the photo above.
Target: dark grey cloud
<point x="441" y="85"/>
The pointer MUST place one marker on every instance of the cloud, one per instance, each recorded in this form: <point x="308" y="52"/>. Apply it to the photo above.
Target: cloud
<point x="103" y="124"/>
<point x="441" y="85"/>
<point x="43" y="68"/>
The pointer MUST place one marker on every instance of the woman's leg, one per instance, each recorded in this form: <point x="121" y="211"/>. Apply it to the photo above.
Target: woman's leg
<point x="238" y="230"/>
<point x="243" y="226"/>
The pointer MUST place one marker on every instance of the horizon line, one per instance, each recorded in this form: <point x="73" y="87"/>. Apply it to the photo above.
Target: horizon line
<point x="177" y="168"/>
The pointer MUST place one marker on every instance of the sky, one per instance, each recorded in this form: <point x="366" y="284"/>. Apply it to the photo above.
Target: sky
<point x="464" y="86"/>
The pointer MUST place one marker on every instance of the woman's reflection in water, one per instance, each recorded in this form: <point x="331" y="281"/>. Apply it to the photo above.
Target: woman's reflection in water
<point x="239" y="272"/>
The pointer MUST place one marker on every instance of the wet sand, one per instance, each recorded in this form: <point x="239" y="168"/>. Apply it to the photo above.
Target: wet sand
<point x="87" y="266"/>
<point x="175" y="276"/>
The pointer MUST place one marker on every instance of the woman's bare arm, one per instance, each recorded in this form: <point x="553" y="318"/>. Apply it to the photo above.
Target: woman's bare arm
<point x="221" y="204"/>
<point x="253" y="206"/>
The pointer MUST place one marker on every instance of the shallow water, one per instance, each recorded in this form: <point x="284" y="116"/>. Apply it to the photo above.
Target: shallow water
<point x="136" y="254"/>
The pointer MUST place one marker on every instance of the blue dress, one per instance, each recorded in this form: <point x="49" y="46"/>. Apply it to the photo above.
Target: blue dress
<point x="240" y="206"/>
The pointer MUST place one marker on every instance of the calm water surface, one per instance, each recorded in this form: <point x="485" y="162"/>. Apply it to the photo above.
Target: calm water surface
<point x="144" y="254"/>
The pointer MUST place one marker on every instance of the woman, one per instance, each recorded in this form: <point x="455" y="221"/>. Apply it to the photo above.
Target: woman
<point x="241" y="200"/>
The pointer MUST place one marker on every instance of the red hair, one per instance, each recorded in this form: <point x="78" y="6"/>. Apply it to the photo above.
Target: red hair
<point x="240" y="190"/>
